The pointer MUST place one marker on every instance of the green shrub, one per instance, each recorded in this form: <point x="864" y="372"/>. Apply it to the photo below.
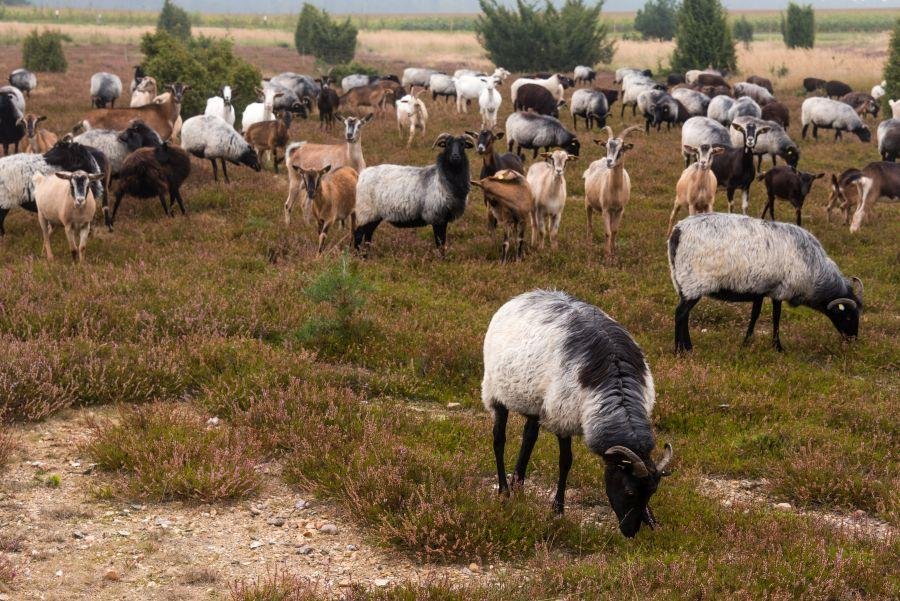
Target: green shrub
<point x="892" y="70"/>
<point x="341" y="71"/>
<point x="206" y="64"/>
<point x="329" y="41"/>
<point x="528" y="38"/>
<point x="44" y="52"/>
<point x="657" y="19"/>
<point x="703" y="38"/>
<point x="743" y="31"/>
<point x="175" y="21"/>
<point x="798" y="28"/>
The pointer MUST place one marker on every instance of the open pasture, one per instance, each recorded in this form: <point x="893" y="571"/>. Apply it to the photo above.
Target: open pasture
<point x="207" y="314"/>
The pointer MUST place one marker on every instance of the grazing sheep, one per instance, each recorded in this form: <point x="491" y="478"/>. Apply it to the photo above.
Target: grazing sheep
<point x="584" y="74"/>
<point x="876" y="181"/>
<point x="759" y="94"/>
<point x="864" y="104"/>
<point x="256" y="112"/>
<point x="528" y="130"/>
<point x="547" y="180"/>
<point x="327" y="103"/>
<point x="331" y="198"/>
<point x="414" y="76"/>
<point x="154" y="173"/>
<point x="221" y="107"/>
<point x="632" y="90"/>
<point x="762" y="82"/>
<point x="355" y="80"/>
<point x="23" y="80"/>
<point x="442" y="85"/>
<point x="607" y="186"/>
<point x="268" y="137"/>
<point x="412" y="115"/>
<point x="657" y="107"/>
<point x="696" y="103"/>
<point x="535" y="98"/>
<point x="773" y="143"/>
<point x="622" y="72"/>
<point x="743" y="259"/>
<point x="696" y="188"/>
<point x="209" y="137"/>
<point x="787" y="183"/>
<point x="409" y="196"/>
<point x="719" y="108"/>
<point x="569" y="367"/>
<point x="836" y="89"/>
<point x="554" y="85"/>
<point x="734" y="168"/>
<point x="144" y="93"/>
<point x="287" y="99"/>
<point x="489" y="104"/>
<point x="38" y="140"/>
<point x="832" y="114"/>
<point x="303" y="90"/>
<point x="811" y="84"/>
<point x="511" y="204"/>
<point x="590" y="105"/>
<point x="698" y="131"/>
<point x="743" y="107"/>
<point x="105" y="89"/>
<point x="888" y="136"/>
<point x="67" y="201"/>
<point x="777" y="112"/>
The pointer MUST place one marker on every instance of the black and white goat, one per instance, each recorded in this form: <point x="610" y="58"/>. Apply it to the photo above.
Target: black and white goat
<point x="734" y="168"/>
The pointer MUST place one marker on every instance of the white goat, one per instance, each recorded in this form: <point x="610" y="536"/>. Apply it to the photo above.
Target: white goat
<point x="489" y="104"/>
<point x="412" y="115"/>
<point x="547" y="181"/>
<point x="260" y="111"/>
<point x="221" y="107"/>
<point x="144" y="93"/>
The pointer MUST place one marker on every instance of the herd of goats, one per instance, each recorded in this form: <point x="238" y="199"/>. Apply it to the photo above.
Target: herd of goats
<point x="562" y="363"/>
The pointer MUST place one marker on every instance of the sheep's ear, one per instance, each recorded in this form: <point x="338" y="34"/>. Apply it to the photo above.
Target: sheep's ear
<point x="64" y="174"/>
<point x="498" y="135"/>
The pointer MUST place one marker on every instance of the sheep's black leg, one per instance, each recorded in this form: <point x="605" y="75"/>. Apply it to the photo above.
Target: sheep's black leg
<point x="440" y="236"/>
<point x="803" y="131"/>
<point x="682" y="317"/>
<point x="3" y="213"/>
<point x="754" y="315"/>
<point x="529" y="437"/>
<point x="175" y="196"/>
<point x="565" y="464"/>
<point x="501" y="414"/>
<point x="215" y="169"/>
<point x="115" y="208"/>
<point x="776" y="322"/>
<point x="362" y="235"/>
<point x="837" y="135"/>
<point x="799" y="216"/>
<point x="225" y="171"/>
<point x="815" y="131"/>
<point x="162" y="200"/>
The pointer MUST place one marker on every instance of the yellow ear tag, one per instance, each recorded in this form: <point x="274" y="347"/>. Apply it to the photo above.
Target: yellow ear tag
<point x="841" y="306"/>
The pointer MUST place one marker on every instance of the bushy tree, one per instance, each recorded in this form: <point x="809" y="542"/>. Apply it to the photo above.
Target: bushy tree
<point x="657" y="19"/>
<point x="206" y="64"/>
<point x="528" y="38"/>
<point x="743" y="31"/>
<point x="174" y="20"/>
<point x="798" y="28"/>
<point x="329" y="41"/>
<point x="892" y="70"/>
<point x="703" y="38"/>
<point x="44" y="51"/>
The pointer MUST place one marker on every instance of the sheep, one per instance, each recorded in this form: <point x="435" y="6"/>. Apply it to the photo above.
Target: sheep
<point x="878" y="90"/>
<point x="144" y="92"/>
<point x="787" y="183"/>
<point x="412" y="115"/>
<point x="774" y="142"/>
<point x="16" y="186"/>
<point x="23" y="80"/>
<point x="875" y="181"/>
<point x="607" y="186"/>
<point x="38" y="140"/>
<point x="759" y="94"/>
<point x="744" y="259"/>
<point x="66" y="200"/>
<point x="286" y="98"/>
<point x="719" y="108"/>
<point x="408" y="196"/>
<point x="569" y="367"/>
<point x="161" y="115"/>
<point x="154" y="172"/>
<point x="864" y="104"/>
<point x="590" y="105"/>
<point x="528" y="130"/>
<point x="623" y="71"/>
<point x="631" y="92"/>
<point x="331" y="198"/>
<point x="489" y="104"/>
<point x="836" y="89"/>
<point x="811" y="84"/>
<point x="303" y="89"/>
<point x="696" y="188"/>
<point x="355" y="80"/>
<point x="843" y="196"/>
<point x="442" y="85"/>
<point x="888" y="136"/>
<point x="734" y="167"/>
<point x="674" y="79"/>
<point x="708" y="78"/>
<point x="584" y="74"/>
<point x="510" y="203"/>
<point x="895" y="108"/>
<point x="268" y="137"/>
<point x="695" y="102"/>
<point x="414" y="76"/>
<point x="105" y="89"/>
<point x="256" y="112"/>
<point x="658" y="108"/>
<point x="209" y="137"/>
<point x="777" y="112"/>
<point x="547" y="181"/>
<point x="832" y="114"/>
<point x="698" y="131"/>
<point x="12" y="111"/>
<point x="468" y="88"/>
<point x="743" y="107"/>
<point x="532" y="97"/>
<point x="316" y="156"/>
<point x="327" y="103"/>
<point x="221" y="107"/>
<point x="553" y="84"/>
<point x="762" y="82"/>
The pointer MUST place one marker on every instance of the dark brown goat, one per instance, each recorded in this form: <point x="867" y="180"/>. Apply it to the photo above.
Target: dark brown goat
<point x="777" y="112"/>
<point x="711" y="79"/>
<point x="836" y="89"/>
<point x="532" y="97"/>
<point x="762" y="82"/>
<point x="149" y="172"/>
<point x="327" y="103"/>
<point x="811" y="84"/>
<point x="269" y="136"/>
<point x="787" y="183"/>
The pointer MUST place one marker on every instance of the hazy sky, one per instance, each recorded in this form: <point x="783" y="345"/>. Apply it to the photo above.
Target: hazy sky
<point x="410" y="6"/>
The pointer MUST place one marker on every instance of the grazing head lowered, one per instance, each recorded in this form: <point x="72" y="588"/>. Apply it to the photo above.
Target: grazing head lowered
<point x="79" y="183"/>
<point x="630" y="482"/>
<point x="844" y="311"/>
<point x="138" y="134"/>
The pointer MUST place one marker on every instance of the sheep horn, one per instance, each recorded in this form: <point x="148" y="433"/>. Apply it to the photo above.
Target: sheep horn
<point x="664" y="462"/>
<point x="844" y="301"/>
<point x="637" y="464"/>
<point x="856" y="280"/>
<point x="440" y="139"/>
<point x="628" y="130"/>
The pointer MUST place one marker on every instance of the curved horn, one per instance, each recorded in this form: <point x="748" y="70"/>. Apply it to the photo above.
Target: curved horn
<point x="664" y="462"/>
<point x="856" y="280"/>
<point x="628" y="130"/>
<point x="637" y="464"/>
<point x="844" y="301"/>
<point x="609" y="130"/>
<point x="440" y="138"/>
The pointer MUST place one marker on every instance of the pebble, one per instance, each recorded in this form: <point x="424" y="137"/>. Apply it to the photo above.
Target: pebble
<point x="304" y="550"/>
<point x="785" y="506"/>
<point x="301" y="504"/>
<point x="381" y="582"/>
<point x="453" y="405"/>
<point x="254" y="510"/>
<point x="352" y="548"/>
<point x="474" y="567"/>
<point x="59" y="573"/>
<point x="111" y="575"/>
<point x="860" y="514"/>
<point x="124" y="533"/>
<point x="328" y="529"/>
<point x="213" y="421"/>
<point x="78" y="535"/>
<point x="275" y="521"/>
<point x="255" y="544"/>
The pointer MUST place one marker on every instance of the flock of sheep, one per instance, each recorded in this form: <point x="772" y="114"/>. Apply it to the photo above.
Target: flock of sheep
<point x="562" y="363"/>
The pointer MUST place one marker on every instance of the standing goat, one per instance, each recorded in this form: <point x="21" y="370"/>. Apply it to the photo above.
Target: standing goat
<point x="269" y="136"/>
<point x="607" y="186"/>
<point x="412" y="115"/>
<point x="696" y="188"/>
<point x="327" y="103"/>
<point x="511" y="204"/>
<point x="875" y="181"/>
<point x="787" y="183"/>
<point x="68" y="201"/>
<point x="331" y="198"/>
<point x="154" y="172"/>
<point x="547" y="180"/>
<point x="734" y="167"/>
<point x="38" y="140"/>
<point x="144" y="93"/>
<point x="221" y="106"/>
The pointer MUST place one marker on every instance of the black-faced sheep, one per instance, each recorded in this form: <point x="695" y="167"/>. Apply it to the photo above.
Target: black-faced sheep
<point x="24" y="80"/>
<point x="824" y="113"/>
<point x="528" y="130"/>
<point x="209" y="137"/>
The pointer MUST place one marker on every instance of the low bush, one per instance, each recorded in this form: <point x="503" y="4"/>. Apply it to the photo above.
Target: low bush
<point x="341" y="71"/>
<point x="330" y="41"/>
<point x="44" y="52"/>
<point x="175" y="21"/>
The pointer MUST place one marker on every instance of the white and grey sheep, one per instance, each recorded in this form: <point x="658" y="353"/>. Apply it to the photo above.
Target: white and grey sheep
<point x="825" y="113"/>
<point x="105" y="89"/>
<point x="210" y="137"/>
<point x="535" y="132"/>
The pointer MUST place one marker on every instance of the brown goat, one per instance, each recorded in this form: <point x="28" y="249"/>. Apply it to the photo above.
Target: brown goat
<point x="160" y="117"/>
<point x="38" y="141"/>
<point x="331" y="198"/>
<point x="269" y="136"/>
<point x="510" y="202"/>
<point x="373" y="96"/>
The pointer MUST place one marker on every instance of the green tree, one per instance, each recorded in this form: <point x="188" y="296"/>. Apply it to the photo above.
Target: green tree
<point x="528" y="38"/>
<point x="174" y="20"/>
<point x="703" y="38"/>
<point x="798" y="28"/>
<point x="329" y="41"/>
<point x="657" y="19"/>
<point x="44" y="51"/>
<point x="892" y="70"/>
<point x="743" y="31"/>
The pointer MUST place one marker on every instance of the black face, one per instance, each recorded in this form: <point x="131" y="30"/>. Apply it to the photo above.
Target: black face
<point x="792" y="156"/>
<point x="845" y="318"/>
<point x="629" y="497"/>
<point x="573" y="147"/>
<point x="455" y="148"/>
<point x="863" y="134"/>
<point x="251" y="159"/>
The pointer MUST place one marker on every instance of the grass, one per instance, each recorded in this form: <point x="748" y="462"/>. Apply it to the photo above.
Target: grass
<point x="190" y="317"/>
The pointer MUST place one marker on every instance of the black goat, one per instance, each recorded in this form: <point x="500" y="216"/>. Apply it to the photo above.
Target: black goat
<point x="734" y="168"/>
<point x="149" y="172"/>
<point x="787" y="183"/>
<point x="532" y="97"/>
<point x="12" y="129"/>
<point x="327" y="103"/>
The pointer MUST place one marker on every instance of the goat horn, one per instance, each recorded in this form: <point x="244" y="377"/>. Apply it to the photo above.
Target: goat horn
<point x="844" y="301"/>
<point x="441" y="138"/>
<point x="628" y="130"/>
<point x="856" y="280"/>
<point x="637" y="464"/>
<point x="609" y="131"/>
<point x="666" y="459"/>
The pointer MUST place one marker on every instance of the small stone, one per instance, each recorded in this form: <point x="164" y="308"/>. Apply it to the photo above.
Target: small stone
<point x="860" y="514"/>
<point x="123" y="533"/>
<point x="301" y="504"/>
<point x="474" y="567"/>
<point x="59" y="573"/>
<point x="352" y="548"/>
<point x="328" y="529"/>
<point x="452" y="406"/>
<point x="381" y="582"/>
<point x="78" y="535"/>
<point x="304" y="550"/>
<point x="213" y="421"/>
<point x="255" y="510"/>
<point x="111" y="575"/>
<point x="276" y="521"/>
<point x="785" y="506"/>
<point x="256" y="544"/>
